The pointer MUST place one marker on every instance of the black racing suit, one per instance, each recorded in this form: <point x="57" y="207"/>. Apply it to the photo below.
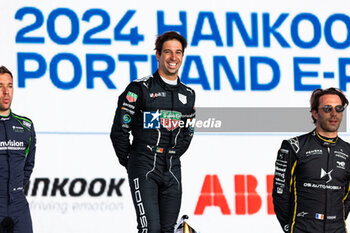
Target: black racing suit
<point x="17" y="152"/>
<point x="311" y="184"/>
<point x="156" y="113"/>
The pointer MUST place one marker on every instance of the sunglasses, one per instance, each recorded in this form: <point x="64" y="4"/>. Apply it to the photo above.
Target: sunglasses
<point x="329" y="108"/>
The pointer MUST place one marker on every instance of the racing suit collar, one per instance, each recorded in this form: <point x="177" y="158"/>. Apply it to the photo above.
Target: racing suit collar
<point x="325" y="141"/>
<point x="164" y="84"/>
<point x="6" y="118"/>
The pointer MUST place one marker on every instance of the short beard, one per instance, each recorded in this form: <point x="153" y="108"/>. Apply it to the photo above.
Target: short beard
<point x="325" y="127"/>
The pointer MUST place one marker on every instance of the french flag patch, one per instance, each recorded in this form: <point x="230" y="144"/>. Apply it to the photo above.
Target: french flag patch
<point x="319" y="216"/>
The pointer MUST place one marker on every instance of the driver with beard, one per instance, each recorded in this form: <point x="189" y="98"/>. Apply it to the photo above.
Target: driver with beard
<point x="312" y="172"/>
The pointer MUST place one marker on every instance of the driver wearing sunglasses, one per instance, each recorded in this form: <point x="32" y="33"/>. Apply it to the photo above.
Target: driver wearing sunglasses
<point x="312" y="171"/>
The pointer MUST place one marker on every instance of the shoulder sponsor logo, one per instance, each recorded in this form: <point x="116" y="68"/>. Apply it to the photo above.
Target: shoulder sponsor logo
<point x="295" y="144"/>
<point x="284" y="151"/>
<point x="143" y="79"/>
<point x="182" y="98"/>
<point x="27" y="124"/>
<point x="131" y="97"/>
<point x="12" y="145"/>
<point x="341" y="164"/>
<point x="314" y="152"/>
<point x="189" y="90"/>
<point x="158" y="94"/>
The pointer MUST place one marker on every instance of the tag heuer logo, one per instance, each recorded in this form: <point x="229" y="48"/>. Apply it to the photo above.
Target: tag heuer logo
<point x="131" y="97"/>
<point x="170" y="119"/>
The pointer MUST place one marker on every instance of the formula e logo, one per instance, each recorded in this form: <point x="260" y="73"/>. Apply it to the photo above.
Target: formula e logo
<point x="183" y="98"/>
<point x="151" y="120"/>
<point x="324" y="173"/>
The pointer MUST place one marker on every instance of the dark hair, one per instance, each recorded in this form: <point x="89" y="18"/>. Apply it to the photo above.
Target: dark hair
<point x="4" y="70"/>
<point x="171" y="35"/>
<point x="317" y="93"/>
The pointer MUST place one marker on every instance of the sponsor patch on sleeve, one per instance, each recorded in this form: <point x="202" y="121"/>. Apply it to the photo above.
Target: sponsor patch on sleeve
<point x="27" y="124"/>
<point x="284" y="151"/>
<point x="126" y="118"/>
<point x="131" y="97"/>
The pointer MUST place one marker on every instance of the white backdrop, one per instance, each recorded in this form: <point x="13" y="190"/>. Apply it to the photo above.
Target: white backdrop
<point x="73" y="117"/>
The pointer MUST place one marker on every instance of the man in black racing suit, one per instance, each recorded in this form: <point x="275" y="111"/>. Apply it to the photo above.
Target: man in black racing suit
<point x="312" y="173"/>
<point x="156" y="110"/>
<point x="17" y="152"/>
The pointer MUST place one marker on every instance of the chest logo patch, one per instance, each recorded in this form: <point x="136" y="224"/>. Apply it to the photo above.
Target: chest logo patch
<point x="157" y="94"/>
<point x="170" y="119"/>
<point x="341" y="164"/>
<point x="18" y="129"/>
<point x="183" y="98"/>
<point x="324" y="173"/>
<point x="151" y="120"/>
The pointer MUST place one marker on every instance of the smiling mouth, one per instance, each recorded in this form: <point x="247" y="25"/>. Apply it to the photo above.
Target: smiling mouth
<point x="172" y="64"/>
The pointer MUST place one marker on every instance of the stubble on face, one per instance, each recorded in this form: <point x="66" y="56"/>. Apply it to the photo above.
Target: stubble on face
<point x="170" y="59"/>
<point x="328" y="123"/>
<point x="6" y="93"/>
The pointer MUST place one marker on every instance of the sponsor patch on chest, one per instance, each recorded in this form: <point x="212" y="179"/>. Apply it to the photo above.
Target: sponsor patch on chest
<point x="183" y="98"/>
<point x="314" y="152"/>
<point x="157" y="94"/>
<point x="12" y="145"/>
<point x="17" y="129"/>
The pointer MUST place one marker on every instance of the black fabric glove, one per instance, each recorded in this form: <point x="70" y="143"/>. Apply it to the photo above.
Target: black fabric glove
<point x="7" y="225"/>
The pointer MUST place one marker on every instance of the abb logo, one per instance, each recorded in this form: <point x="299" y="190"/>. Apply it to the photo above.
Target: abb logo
<point x="247" y="200"/>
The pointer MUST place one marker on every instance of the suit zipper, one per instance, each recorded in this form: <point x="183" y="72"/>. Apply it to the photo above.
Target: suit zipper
<point x="8" y="163"/>
<point x="172" y="110"/>
<point x="328" y="155"/>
